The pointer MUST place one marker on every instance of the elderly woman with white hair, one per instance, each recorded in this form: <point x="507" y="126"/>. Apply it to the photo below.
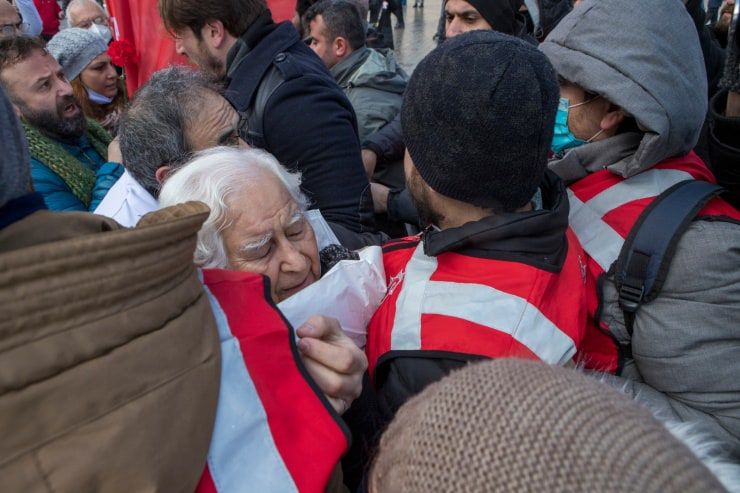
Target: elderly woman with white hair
<point x="258" y="217"/>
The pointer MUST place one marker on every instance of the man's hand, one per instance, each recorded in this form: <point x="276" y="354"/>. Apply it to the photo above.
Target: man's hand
<point x="369" y="161"/>
<point x="114" y="152"/>
<point x="333" y="360"/>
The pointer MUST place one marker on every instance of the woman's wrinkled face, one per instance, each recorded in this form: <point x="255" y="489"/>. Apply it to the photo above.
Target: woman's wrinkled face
<point x="268" y="234"/>
<point x="101" y="76"/>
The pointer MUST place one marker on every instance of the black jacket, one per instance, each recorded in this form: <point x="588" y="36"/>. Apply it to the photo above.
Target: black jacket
<point x="536" y="238"/>
<point x="308" y="123"/>
<point x="724" y="147"/>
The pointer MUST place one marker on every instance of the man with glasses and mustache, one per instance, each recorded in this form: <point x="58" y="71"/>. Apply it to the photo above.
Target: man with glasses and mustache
<point x="73" y="163"/>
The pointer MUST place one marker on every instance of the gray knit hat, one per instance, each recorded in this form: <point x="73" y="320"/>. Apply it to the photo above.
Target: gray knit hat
<point x="74" y="49"/>
<point x="478" y="117"/>
<point x="15" y="174"/>
<point x="515" y="425"/>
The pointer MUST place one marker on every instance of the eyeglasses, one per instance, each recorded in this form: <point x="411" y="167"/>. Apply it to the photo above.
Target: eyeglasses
<point x="11" y="29"/>
<point x="100" y="21"/>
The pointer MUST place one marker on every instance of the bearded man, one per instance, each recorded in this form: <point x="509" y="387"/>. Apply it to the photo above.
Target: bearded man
<point x="73" y="162"/>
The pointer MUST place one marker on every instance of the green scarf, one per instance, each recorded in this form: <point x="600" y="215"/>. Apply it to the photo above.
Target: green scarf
<point x="78" y="177"/>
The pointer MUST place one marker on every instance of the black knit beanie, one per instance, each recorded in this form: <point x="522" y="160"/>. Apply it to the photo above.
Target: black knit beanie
<point x="478" y="116"/>
<point x="500" y="14"/>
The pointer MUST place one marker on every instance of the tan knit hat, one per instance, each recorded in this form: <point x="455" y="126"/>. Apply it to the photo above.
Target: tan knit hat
<point x="515" y="425"/>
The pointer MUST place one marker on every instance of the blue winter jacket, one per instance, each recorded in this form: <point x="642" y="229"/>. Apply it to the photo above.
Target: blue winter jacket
<point x="57" y="195"/>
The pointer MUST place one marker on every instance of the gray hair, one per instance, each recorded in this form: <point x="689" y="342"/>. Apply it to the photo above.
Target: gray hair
<point x="74" y="4"/>
<point x="152" y="131"/>
<point x="212" y="177"/>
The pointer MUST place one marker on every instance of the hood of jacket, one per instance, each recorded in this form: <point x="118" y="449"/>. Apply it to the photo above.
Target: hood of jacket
<point x="537" y="237"/>
<point x="650" y="65"/>
<point x="371" y="68"/>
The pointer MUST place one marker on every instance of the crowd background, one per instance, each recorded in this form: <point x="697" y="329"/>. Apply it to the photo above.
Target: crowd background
<point x="545" y="210"/>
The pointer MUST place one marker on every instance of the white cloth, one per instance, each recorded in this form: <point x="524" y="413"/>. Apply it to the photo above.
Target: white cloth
<point x="30" y="14"/>
<point x="127" y="201"/>
<point x="351" y="292"/>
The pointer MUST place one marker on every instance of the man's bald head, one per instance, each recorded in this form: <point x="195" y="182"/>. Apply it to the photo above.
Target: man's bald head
<point x="81" y="13"/>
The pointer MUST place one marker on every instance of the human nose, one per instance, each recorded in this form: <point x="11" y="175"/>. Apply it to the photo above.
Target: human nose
<point x="454" y="28"/>
<point x="292" y="260"/>
<point x="65" y="88"/>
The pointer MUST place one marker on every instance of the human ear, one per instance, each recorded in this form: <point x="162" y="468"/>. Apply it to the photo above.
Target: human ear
<point x="162" y="173"/>
<point x="612" y="119"/>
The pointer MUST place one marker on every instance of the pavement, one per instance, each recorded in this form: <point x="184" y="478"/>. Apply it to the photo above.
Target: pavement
<point x="415" y="40"/>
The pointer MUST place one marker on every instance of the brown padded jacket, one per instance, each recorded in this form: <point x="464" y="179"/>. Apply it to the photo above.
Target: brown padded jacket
<point x="109" y="354"/>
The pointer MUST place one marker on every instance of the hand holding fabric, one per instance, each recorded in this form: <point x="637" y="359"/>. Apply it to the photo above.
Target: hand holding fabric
<point x="334" y="362"/>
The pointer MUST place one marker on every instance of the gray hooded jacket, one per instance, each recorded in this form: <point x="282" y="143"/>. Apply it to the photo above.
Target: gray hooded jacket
<point x="686" y="343"/>
<point x="374" y="84"/>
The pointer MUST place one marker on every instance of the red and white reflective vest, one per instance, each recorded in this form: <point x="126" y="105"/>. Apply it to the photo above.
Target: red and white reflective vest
<point x="603" y="209"/>
<point x="274" y="431"/>
<point x="454" y="303"/>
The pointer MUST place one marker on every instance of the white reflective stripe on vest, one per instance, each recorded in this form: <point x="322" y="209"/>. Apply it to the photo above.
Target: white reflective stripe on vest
<point x="601" y="242"/>
<point x="243" y="456"/>
<point x="477" y="303"/>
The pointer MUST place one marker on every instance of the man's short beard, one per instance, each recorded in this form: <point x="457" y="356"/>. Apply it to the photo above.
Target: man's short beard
<point x="209" y="64"/>
<point x="53" y="123"/>
<point x="420" y="197"/>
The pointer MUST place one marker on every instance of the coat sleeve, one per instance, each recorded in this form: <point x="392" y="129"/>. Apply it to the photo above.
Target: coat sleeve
<point x="323" y="145"/>
<point x="387" y="143"/>
<point x="105" y="178"/>
<point x="686" y="342"/>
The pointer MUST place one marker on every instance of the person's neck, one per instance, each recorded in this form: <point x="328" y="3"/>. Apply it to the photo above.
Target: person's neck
<point x="460" y="214"/>
<point x="228" y="44"/>
<point x="68" y="139"/>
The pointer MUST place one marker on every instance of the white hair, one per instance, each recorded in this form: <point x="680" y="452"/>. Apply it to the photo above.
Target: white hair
<point x="211" y="177"/>
<point x="79" y="3"/>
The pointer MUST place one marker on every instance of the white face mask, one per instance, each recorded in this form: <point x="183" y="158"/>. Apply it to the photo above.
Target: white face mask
<point x="98" y="98"/>
<point x="102" y="31"/>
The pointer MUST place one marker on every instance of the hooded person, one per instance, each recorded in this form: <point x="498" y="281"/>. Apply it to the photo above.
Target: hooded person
<point x="490" y="274"/>
<point x="631" y="110"/>
<point x="106" y="336"/>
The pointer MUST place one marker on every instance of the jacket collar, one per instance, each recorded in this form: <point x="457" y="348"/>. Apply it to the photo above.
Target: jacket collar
<point x="347" y="67"/>
<point x="581" y="161"/>
<point x="252" y="56"/>
<point x="536" y="238"/>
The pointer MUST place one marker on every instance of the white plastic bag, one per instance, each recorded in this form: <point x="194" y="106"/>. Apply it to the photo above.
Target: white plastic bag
<point x="350" y="292"/>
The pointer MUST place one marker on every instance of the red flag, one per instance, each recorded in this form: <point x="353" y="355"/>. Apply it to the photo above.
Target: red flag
<point x="137" y="22"/>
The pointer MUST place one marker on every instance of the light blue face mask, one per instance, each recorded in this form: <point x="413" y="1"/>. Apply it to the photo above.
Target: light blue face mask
<point x="562" y="137"/>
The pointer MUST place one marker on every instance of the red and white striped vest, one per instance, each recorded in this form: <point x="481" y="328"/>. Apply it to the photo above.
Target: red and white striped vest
<point x="455" y="303"/>
<point x="603" y="209"/>
<point x="274" y="431"/>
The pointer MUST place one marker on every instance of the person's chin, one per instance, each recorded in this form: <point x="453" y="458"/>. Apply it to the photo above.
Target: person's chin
<point x="286" y="293"/>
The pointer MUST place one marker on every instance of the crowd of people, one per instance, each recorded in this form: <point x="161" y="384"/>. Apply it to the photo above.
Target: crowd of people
<point x="552" y="196"/>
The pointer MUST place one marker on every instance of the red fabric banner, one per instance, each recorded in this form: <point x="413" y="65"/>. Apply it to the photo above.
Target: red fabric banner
<point x="137" y="22"/>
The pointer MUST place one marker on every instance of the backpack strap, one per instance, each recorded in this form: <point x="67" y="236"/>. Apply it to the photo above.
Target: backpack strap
<point x="647" y="252"/>
<point x="251" y="119"/>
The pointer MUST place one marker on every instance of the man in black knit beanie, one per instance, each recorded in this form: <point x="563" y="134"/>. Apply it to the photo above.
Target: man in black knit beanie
<point x="497" y="272"/>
